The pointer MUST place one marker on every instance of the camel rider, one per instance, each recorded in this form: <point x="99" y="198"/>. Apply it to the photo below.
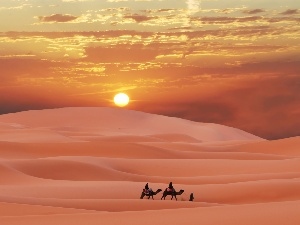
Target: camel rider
<point x="171" y="188"/>
<point x="147" y="190"/>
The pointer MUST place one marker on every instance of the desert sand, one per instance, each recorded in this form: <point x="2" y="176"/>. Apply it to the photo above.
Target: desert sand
<point x="89" y="166"/>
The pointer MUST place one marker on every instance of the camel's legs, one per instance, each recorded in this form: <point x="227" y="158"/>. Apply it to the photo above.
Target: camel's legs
<point x="174" y="195"/>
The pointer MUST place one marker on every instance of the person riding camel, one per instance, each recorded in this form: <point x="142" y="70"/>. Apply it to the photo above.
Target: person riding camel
<point x="171" y="188"/>
<point x="147" y="190"/>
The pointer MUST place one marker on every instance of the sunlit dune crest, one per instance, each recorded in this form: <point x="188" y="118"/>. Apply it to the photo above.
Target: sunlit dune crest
<point x="107" y="122"/>
<point x="85" y="165"/>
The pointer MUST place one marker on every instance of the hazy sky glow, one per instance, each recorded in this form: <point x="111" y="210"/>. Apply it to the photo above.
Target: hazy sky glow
<point x="233" y="62"/>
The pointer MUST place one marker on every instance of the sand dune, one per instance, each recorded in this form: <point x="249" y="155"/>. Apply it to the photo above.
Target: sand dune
<point x="288" y="146"/>
<point x="89" y="165"/>
<point x="259" y="214"/>
<point x="33" y="136"/>
<point x="117" y="122"/>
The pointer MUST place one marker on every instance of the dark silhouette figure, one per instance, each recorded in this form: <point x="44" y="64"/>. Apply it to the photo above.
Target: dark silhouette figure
<point x="149" y="194"/>
<point x="147" y="190"/>
<point x="171" y="188"/>
<point x="172" y="193"/>
<point x="191" y="197"/>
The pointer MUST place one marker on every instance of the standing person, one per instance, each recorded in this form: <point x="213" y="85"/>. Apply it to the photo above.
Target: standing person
<point x="191" y="197"/>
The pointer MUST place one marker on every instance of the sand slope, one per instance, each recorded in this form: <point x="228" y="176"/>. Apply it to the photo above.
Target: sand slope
<point x="103" y="122"/>
<point x="89" y="165"/>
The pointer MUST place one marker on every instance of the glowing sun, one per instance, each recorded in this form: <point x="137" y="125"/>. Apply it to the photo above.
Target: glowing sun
<point x="121" y="99"/>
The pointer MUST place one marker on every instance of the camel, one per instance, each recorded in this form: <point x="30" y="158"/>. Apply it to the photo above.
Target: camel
<point x="173" y="194"/>
<point x="151" y="194"/>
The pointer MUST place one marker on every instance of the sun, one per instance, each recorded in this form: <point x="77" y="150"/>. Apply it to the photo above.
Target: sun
<point x="121" y="99"/>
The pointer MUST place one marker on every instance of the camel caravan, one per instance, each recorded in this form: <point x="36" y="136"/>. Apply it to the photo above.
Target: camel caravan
<point x="168" y="191"/>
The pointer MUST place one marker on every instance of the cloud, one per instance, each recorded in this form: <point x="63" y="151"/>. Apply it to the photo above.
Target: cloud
<point x="139" y="18"/>
<point x="283" y="19"/>
<point x="11" y="68"/>
<point x="266" y="107"/>
<point x="98" y="34"/>
<point x="290" y="12"/>
<point x="121" y="53"/>
<point x="77" y="0"/>
<point x="227" y="20"/>
<point x="254" y="11"/>
<point x="57" y="18"/>
<point x="193" y="6"/>
<point x="22" y="98"/>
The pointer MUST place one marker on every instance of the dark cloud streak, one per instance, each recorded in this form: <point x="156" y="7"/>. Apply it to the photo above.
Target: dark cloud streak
<point x="58" y="18"/>
<point x="254" y="11"/>
<point x="139" y="18"/>
<point x="290" y="12"/>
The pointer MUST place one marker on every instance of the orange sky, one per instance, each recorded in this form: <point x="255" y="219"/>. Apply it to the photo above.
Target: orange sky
<point x="232" y="62"/>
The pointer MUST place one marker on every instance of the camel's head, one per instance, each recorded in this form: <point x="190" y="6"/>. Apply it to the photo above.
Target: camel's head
<point x="159" y="190"/>
<point x="181" y="191"/>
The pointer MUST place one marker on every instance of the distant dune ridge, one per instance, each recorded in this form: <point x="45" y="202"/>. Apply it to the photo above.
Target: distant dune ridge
<point x="89" y="166"/>
<point x="81" y="123"/>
